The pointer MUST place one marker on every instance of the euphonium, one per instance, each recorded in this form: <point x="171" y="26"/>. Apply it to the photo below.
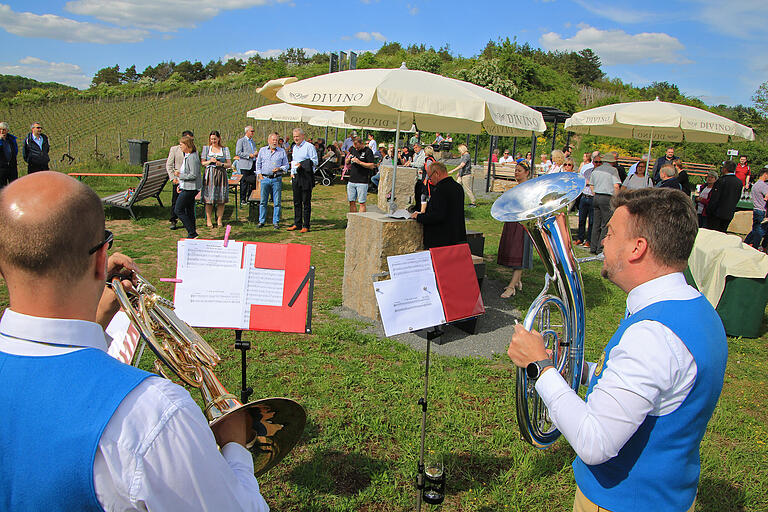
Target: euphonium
<point x="276" y="424"/>
<point x="541" y="206"/>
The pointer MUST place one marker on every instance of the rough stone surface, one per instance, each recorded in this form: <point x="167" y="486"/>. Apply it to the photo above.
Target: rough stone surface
<point x="741" y="223"/>
<point x="406" y="179"/>
<point x="370" y="238"/>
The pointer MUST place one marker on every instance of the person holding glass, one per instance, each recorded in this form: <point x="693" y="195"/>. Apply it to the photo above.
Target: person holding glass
<point x="216" y="160"/>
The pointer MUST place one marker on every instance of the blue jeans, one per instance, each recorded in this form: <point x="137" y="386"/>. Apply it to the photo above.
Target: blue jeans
<point x="755" y="237"/>
<point x="375" y="178"/>
<point x="273" y="187"/>
<point x="585" y="213"/>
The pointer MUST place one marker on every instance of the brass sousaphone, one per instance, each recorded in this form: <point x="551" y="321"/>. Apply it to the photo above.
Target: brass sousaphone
<point x="276" y="423"/>
<point x="541" y="206"/>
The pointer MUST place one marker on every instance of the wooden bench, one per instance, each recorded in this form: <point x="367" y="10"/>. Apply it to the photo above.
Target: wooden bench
<point x="692" y="168"/>
<point x="152" y="182"/>
<point x="81" y="175"/>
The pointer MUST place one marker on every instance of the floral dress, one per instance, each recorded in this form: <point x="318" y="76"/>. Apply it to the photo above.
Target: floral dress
<point x="215" y="181"/>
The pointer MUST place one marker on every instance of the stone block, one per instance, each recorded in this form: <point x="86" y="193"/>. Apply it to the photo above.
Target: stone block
<point x="406" y="180"/>
<point x="370" y="238"/>
<point x="741" y="223"/>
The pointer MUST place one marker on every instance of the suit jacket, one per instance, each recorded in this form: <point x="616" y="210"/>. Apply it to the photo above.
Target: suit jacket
<point x="724" y="197"/>
<point x="444" y="218"/>
<point x="33" y="154"/>
<point x="174" y="161"/>
<point x="305" y="178"/>
<point x="243" y="150"/>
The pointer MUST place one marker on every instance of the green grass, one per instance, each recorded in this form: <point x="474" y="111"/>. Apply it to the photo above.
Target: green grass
<point x="360" y="446"/>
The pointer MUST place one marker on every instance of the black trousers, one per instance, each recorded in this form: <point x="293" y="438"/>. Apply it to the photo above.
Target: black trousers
<point x="36" y="166"/>
<point x="717" y="223"/>
<point x="174" y="198"/>
<point x="601" y="206"/>
<point x="185" y="210"/>
<point x="302" y="205"/>
<point x="7" y="175"/>
<point x="247" y="182"/>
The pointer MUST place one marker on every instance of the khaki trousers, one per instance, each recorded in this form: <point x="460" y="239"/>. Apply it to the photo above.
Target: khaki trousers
<point x="467" y="182"/>
<point x="582" y="504"/>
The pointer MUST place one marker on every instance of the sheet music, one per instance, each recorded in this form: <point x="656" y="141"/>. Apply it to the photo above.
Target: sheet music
<point x="201" y="254"/>
<point x="407" y="266"/>
<point x="409" y="304"/>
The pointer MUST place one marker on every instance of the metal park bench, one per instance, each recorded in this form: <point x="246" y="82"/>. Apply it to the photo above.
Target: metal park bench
<point x="152" y="182"/>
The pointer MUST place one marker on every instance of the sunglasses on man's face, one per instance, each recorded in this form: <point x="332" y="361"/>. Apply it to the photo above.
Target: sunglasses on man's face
<point x="108" y="238"/>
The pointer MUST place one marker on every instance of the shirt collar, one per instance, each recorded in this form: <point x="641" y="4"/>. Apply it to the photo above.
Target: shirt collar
<point x="654" y="290"/>
<point x="57" y="331"/>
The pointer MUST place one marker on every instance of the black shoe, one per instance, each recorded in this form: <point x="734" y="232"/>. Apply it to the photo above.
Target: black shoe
<point x="276" y="226"/>
<point x="173" y="227"/>
<point x="191" y="237"/>
<point x="261" y="224"/>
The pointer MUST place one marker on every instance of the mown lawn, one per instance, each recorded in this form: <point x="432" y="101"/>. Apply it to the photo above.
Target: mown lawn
<point x="360" y="447"/>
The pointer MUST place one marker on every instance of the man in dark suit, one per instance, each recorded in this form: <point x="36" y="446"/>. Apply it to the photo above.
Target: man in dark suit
<point x="723" y="199"/>
<point x="35" y="149"/>
<point x="302" y="180"/>
<point x="668" y="159"/>
<point x="444" y="218"/>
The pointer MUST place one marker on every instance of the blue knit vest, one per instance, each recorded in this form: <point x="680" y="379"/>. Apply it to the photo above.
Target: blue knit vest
<point x="658" y="468"/>
<point x="56" y="409"/>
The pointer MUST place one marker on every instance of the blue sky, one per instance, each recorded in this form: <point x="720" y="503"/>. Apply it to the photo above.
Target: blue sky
<point x="711" y="49"/>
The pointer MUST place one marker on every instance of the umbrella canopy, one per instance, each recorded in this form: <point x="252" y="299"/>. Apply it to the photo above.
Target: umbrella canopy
<point x="657" y="120"/>
<point x="294" y="114"/>
<point x="269" y="89"/>
<point x="379" y="98"/>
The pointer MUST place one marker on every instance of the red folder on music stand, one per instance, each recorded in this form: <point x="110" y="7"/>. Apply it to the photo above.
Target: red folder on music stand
<point x="457" y="282"/>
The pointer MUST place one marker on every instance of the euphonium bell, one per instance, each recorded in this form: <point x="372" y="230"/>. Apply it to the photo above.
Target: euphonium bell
<point x="541" y="206"/>
<point x="276" y="423"/>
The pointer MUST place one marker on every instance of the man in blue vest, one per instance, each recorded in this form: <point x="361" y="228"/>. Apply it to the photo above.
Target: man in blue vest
<point x="99" y="434"/>
<point x="656" y="385"/>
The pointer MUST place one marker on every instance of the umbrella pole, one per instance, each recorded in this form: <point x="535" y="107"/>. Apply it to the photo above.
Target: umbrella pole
<point x="650" y="143"/>
<point x="394" y="166"/>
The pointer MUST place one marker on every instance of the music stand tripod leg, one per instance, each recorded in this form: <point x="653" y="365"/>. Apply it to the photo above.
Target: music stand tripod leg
<point x="436" y="332"/>
<point x="243" y="347"/>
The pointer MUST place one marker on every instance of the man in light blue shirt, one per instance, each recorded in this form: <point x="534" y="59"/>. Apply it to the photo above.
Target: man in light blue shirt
<point x="246" y="151"/>
<point x="271" y="164"/>
<point x="303" y="166"/>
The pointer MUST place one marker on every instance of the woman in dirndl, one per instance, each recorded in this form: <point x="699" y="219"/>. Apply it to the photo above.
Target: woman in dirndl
<point x="216" y="160"/>
<point x="515" y="250"/>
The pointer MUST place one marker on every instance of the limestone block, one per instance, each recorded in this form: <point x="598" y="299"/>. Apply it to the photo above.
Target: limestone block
<point x="406" y="179"/>
<point x="370" y="238"/>
<point x="741" y="223"/>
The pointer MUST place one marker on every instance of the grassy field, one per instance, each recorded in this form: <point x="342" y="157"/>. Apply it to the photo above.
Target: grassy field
<point x="360" y="447"/>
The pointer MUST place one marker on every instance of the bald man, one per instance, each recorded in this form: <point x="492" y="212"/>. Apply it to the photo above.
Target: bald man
<point x="99" y="434"/>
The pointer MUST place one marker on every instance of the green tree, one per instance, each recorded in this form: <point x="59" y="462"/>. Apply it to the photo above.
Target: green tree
<point x="130" y="75"/>
<point x="486" y="73"/>
<point x="425" y="61"/>
<point x="760" y="99"/>
<point x="294" y="57"/>
<point x="107" y="76"/>
<point x="233" y="66"/>
<point x="190" y="71"/>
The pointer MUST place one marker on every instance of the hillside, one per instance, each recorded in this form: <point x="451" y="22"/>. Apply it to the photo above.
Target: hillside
<point x="12" y="84"/>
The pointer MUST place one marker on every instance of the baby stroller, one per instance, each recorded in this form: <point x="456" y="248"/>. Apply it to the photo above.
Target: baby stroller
<point x="325" y="171"/>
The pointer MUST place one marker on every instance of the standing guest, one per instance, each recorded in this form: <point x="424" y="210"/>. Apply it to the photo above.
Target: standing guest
<point x="669" y="178"/>
<point x="743" y="172"/>
<point x="112" y="437"/>
<point x="703" y="198"/>
<point x="438" y="138"/>
<point x="362" y="164"/>
<point x="667" y="159"/>
<point x="9" y="151"/>
<point x="320" y="146"/>
<point x="35" y="149"/>
<point x="415" y="138"/>
<point x="506" y="158"/>
<point x="586" y="203"/>
<point x="544" y="165"/>
<point x="465" y="173"/>
<point x="515" y="245"/>
<point x="633" y="167"/>
<point x="443" y="219"/>
<point x="423" y="188"/>
<point x="372" y="143"/>
<point x="173" y="164"/>
<point x="619" y="168"/>
<point x="302" y="180"/>
<point x="190" y="183"/>
<point x="567" y="151"/>
<point x="529" y="159"/>
<point x="558" y="159"/>
<point x="348" y="142"/>
<point x="638" y="179"/>
<point x="271" y="164"/>
<point x="682" y="176"/>
<point x="759" y="193"/>
<point x="569" y="165"/>
<point x="605" y="184"/>
<point x="637" y="434"/>
<point x="725" y="195"/>
<point x="586" y="159"/>
<point x="245" y="148"/>
<point x="216" y="160"/>
<point x="419" y="157"/>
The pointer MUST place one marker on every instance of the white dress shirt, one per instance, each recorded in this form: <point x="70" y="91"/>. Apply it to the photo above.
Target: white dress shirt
<point x="157" y="451"/>
<point x="301" y="152"/>
<point x="651" y="372"/>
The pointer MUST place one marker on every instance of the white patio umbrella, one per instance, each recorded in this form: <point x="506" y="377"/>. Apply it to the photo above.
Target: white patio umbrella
<point x="657" y="120"/>
<point x="385" y="98"/>
<point x="293" y="114"/>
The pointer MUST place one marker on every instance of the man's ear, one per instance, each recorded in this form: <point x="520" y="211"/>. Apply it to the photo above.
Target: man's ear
<point x="100" y="263"/>
<point x="639" y="250"/>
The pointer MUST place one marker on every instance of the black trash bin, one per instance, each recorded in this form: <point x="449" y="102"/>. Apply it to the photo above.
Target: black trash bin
<point x="137" y="151"/>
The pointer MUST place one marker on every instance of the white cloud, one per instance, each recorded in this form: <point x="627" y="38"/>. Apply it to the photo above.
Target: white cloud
<point x="616" y="13"/>
<point x="44" y="71"/>
<point x="267" y="54"/>
<point x="163" y="16"/>
<point x="50" y="26"/>
<point x="740" y="19"/>
<point x="618" y="47"/>
<point x="368" y="36"/>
